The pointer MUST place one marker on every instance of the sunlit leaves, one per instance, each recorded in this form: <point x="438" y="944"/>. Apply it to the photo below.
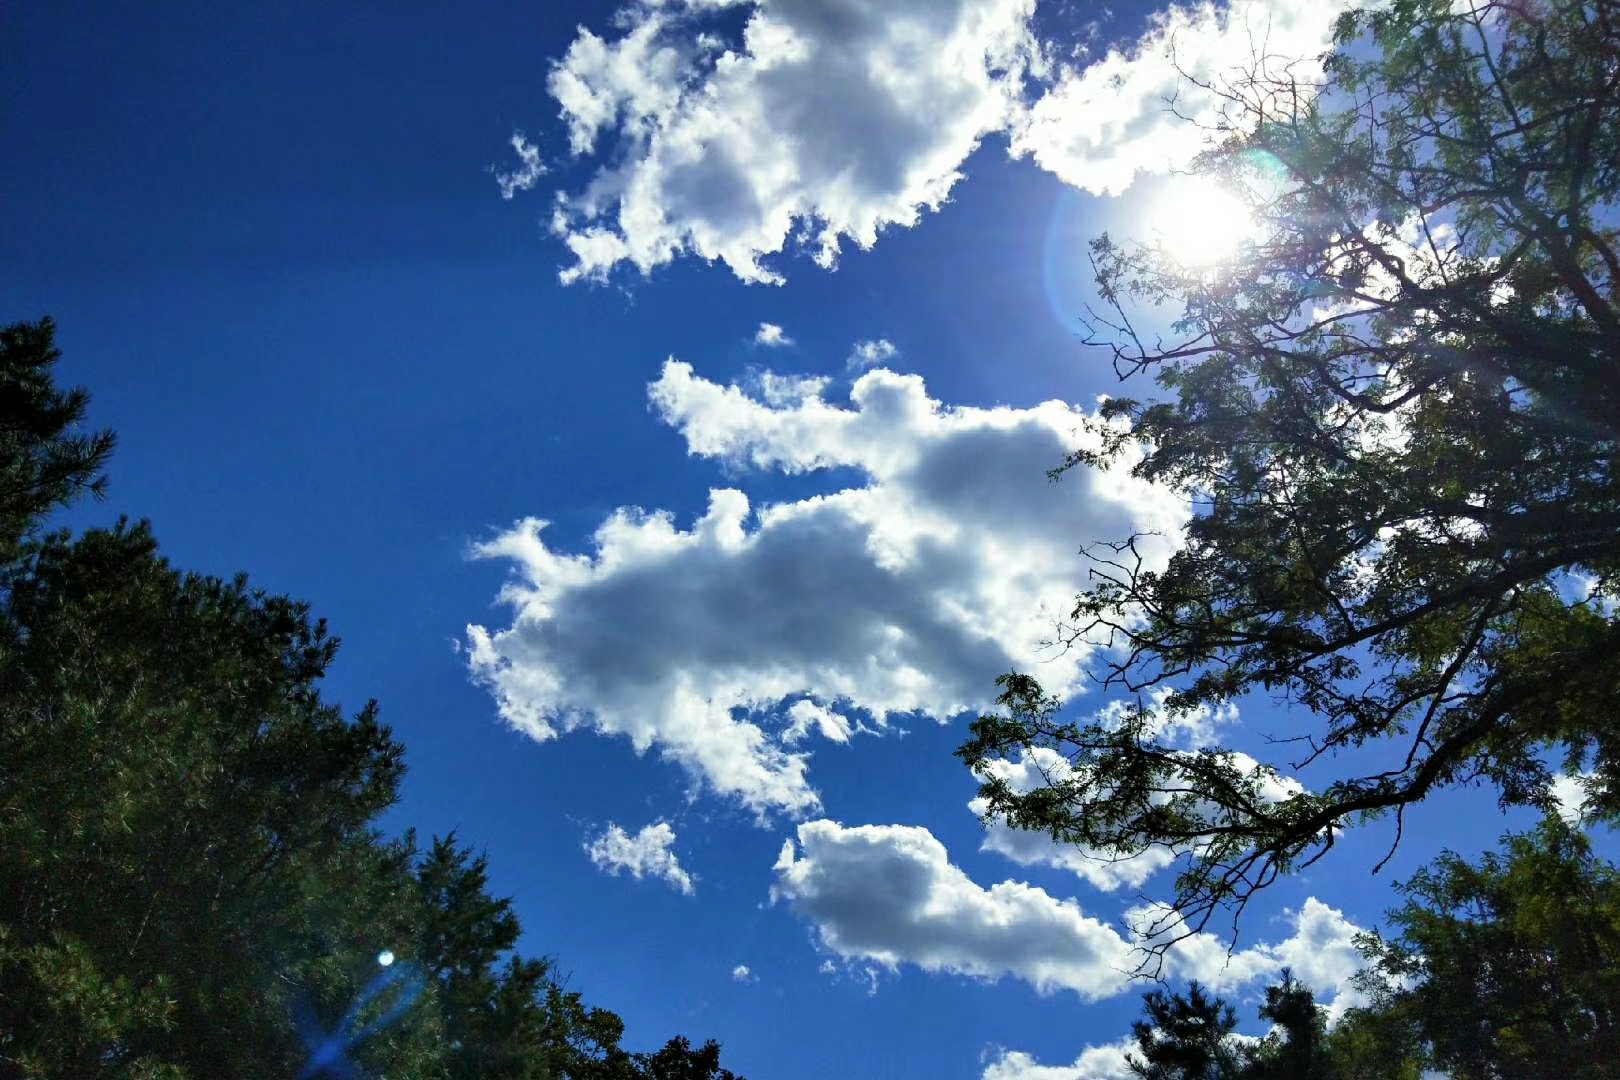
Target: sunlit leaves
<point x="1509" y="966"/>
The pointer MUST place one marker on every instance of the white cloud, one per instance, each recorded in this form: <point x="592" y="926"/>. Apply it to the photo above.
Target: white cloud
<point x="646" y="854"/>
<point x="529" y="171"/>
<point x="805" y="716"/>
<point x="1320" y="950"/>
<point x="1109" y="119"/>
<point x="726" y="644"/>
<point x="827" y="123"/>
<point x="771" y="336"/>
<point x="871" y="353"/>
<point x="1570" y="796"/>
<point x="1094" y="1063"/>
<point x="742" y="974"/>
<point x="888" y="894"/>
<point x="831" y="120"/>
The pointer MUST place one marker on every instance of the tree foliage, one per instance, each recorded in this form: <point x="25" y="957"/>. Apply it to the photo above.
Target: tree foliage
<point x="1508" y="968"/>
<point x="1394" y="412"/>
<point x="1185" y="1037"/>
<point x="192" y="883"/>
<point x="45" y="461"/>
<point x="1193" y="1036"/>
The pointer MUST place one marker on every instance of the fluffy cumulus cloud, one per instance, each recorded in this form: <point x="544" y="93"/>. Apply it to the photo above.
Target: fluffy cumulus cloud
<point x="647" y="854"/>
<point x="827" y="121"/>
<point x="1320" y="949"/>
<point x="889" y="894"/>
<point x="1570" y="796"/>
<point x="729" y="643"/>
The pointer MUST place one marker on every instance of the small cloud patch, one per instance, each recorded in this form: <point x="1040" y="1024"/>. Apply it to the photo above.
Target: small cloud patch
<point x="771" y="336"/>
<point x="646" y="854"/>
<point x="871" y="353"/>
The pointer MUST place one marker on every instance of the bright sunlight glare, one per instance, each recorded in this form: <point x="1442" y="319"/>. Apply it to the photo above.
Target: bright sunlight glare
<point x="1198" y="223"/>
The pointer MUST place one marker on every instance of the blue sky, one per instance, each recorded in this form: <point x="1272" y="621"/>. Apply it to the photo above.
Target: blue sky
<point x="702" y="720"/>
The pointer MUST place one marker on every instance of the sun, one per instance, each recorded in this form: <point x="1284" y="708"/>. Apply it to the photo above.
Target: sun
<point x="1198" y="223"/>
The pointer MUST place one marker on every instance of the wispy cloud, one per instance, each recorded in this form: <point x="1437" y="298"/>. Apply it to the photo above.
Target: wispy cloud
<point x="647" y="854"/>
<point x="528" y="172"/>
<point x="728" y="643"/>
<point x="1101" y="870"/>
<point x="871" y="353"/>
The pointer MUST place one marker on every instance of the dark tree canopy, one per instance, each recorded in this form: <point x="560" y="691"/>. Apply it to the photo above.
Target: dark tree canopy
<point x="1395" y="413"/>
<point x="1510" y="967"/>
<point x="1193" y="1036"/>
<point x="192" y="883"/>
<point x="45" y="461"/>
<point x="1185" y="1037"/>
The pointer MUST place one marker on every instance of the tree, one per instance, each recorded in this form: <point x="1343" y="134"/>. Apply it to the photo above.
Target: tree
<point x="1394" y="413"/>
<point x="1297" y="1048"/>
<point x="678" y="1061"/>
<point x="192" y="883"/>
<point x="183" y="815"/>
<point x="1374" y="1044"/>
<point x="1185" y="1038"/>
<point x="1509" y="968"/>
<point x="45" y="462"/>
<point x="1193" y="1037"/>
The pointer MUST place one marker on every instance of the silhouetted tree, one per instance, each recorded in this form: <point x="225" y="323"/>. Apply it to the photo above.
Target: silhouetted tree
<point x="1185" y="1037"/>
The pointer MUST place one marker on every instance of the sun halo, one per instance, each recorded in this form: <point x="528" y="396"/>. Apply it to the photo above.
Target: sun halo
<point x="1198" y="223"/>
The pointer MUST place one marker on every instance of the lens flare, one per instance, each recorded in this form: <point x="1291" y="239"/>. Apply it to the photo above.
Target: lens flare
<point x="1065" y="271"/>
<point x="381" y="1003"/>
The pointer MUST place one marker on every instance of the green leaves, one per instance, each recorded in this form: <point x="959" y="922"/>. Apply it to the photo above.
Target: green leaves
<point x="1510" y="967"/>
<point x="182" y="804"/>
